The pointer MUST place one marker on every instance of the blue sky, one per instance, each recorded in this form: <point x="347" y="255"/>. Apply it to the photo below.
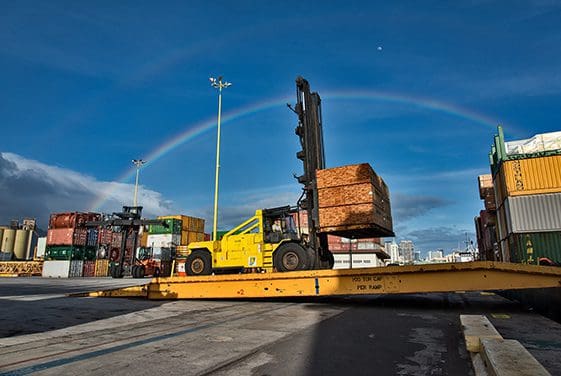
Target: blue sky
<point x="88" y="87"/>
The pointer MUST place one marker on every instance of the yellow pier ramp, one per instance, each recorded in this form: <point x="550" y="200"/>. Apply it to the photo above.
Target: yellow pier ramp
<point x="473" y="276"/>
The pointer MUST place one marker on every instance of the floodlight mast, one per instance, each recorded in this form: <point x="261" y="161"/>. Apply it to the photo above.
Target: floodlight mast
<point x="217" y="84"/>
<point x="138" y="163"/>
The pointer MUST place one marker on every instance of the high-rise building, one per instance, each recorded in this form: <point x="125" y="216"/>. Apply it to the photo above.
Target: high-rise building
<point x="406" y="249"/>
<point x="436" y="255"/>
<point x="392" y="249"/>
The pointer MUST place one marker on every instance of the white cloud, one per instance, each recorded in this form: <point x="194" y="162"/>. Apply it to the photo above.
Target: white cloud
<point x="29" y="188"/>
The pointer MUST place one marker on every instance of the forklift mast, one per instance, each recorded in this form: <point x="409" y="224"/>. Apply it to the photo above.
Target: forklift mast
<point x="310" y="132"/>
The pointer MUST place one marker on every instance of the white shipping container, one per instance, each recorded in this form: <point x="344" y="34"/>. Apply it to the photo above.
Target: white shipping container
<point x="360" y="260"/>
<point x="56" y="269"/>
<point x="41" y="246"/>
<point x="76" y="268"/>
<point x="533" y="213"/>
<point x="163" y="240"/>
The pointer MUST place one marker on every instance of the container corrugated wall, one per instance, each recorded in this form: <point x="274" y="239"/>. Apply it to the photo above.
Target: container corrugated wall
<point x="532" y="176"/>
<point x="528" y="248"/>
<point x="533" y="213"/>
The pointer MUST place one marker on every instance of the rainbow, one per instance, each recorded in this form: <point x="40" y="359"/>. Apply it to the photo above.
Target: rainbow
<point x="193" y="131"/>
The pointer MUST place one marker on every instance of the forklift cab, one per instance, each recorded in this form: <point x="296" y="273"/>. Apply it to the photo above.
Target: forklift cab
<point x="278" y="224"/>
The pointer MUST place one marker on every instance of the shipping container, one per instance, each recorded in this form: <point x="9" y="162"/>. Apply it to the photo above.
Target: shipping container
<point x="530" y="247"/>
<point x="64" y="252"/>
<point x="71" y="219"/>
<point x="538" y="175"/>
<point x="163" y="240"/>
<point x="174" y="226"/>
<point x="533" y="213"/>
<point x="92" y="237"/>
<point x="41" y="247"/>
<point x="67" y="236"/>
<point x="76" y="268"/>
<point x="56" y="269"/>
<point x="105" y="236"/>
<point x="102" y="268"/>
<point x="363" y="260"/>
<point x="89" y="269"/>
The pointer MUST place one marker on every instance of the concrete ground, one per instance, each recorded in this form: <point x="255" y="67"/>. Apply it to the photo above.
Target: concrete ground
<point x="415" y="334"/>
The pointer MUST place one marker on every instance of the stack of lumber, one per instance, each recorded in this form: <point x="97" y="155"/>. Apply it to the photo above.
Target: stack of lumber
<point x="353" y="202"/>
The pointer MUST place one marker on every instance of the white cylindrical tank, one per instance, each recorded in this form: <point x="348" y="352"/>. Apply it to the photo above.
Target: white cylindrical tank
<point x="21" y="244"/>
<point x="8" y="240"/>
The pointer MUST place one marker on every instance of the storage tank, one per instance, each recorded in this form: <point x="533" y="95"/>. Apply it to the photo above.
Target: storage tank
<point x="21" y="244"/>
<point x="8" y="240"/>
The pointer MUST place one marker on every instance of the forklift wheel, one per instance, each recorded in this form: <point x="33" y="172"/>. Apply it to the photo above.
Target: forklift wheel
<point x="198" y="263"/>
<point x="133" y="271"/>
<point x="290" y="257"/>
<point x="116" y="272"/>
<point x="140" y="271"/>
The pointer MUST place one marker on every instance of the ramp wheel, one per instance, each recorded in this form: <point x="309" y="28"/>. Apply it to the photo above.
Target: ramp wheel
<point x="198" y="263"/>
<point x="290" y="257"/>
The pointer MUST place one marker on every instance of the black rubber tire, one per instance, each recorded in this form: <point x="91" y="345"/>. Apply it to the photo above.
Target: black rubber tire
<point x="140" y="271"/>
<point x="330" y="260"/>
<point x="157" y="272"/>
<point x="116" y="272"/>
<point x="312" y="259"/>
<point x="198" y="262"/>
<point x="290" y="257"/>
<point x="133" y="271"/>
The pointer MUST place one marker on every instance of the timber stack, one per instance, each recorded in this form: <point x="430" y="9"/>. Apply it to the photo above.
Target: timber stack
<point x="353" y="200"/>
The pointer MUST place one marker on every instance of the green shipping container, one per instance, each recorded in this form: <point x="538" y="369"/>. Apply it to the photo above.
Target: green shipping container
<point x="529" y="248"/>
<point x="174" y="227"/>
<point x="63" y="252"/>
<point x="90" y="253"/>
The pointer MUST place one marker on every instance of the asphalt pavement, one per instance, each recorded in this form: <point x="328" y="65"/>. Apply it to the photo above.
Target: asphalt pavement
<point x="413" y="334"/>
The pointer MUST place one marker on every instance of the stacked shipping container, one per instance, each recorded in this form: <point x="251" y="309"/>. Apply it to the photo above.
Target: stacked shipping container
<point x="527" y="184"/>
<point x="486" y="222"/>
<point x="69" y="242"/>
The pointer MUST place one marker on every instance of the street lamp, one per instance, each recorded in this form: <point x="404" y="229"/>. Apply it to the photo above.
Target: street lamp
<point x="217" y="84"/>
<point x="138" y="163"/>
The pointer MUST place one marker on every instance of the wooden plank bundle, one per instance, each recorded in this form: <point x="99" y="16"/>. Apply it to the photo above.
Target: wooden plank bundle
<point x="353" y="201"/>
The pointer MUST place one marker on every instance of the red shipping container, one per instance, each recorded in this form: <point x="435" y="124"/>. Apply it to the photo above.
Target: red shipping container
<point x="89" y="269"/>
<point x="207" y="237"/>
<point x="116" y="239"/>
<point x="105" y="235"/>
<point x="71" y="219"/>
<point x="67" y="236"/>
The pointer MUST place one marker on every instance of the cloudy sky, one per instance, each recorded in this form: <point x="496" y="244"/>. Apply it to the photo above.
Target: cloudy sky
<point x="416" y="90"/>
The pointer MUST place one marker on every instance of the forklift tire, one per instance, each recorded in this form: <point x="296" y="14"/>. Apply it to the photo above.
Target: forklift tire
<point x="116" y="272"/>
<point x="133" y="271"/>
<point x="330" y="260"/>
<point x="313" y="259"/>
<point x="290" y="257"/>
<point x="156" y="272"/>
<point x="140" y="271"/>
<point x="198" y="263"/>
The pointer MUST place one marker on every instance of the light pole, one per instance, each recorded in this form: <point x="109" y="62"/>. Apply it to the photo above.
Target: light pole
<point x="138" y="163"/>
<point x="217" y="84"/>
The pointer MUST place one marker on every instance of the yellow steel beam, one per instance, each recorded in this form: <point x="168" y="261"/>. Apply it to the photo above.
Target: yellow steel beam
<point x="123" y="292"/>
<point x="474" y="276"/>
<point x="21" y="268"/>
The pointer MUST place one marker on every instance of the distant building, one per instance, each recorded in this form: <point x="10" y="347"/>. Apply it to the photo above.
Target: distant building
<point x="416" y="256"/>
<point x="435" y="255"/>
<point x="392" y="249"/>
<point x="406" y="249"/>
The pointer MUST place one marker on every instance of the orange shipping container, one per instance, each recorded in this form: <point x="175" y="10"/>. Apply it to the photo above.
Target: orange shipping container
<point x="67" y="236"/>
<point x="530" y="176"/>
